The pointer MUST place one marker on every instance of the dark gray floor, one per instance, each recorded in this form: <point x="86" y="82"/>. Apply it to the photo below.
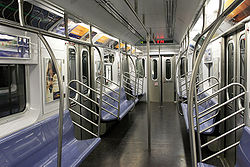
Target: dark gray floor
<point x="126" y="143"/>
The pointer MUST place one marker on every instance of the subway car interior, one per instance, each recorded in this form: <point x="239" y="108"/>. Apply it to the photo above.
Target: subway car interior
<point x="118" y="83"/>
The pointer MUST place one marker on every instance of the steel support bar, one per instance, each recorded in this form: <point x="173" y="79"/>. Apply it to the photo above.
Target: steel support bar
<point x="213" y="27"/>
<point x="214" y="85"/>
<point x="83" y="95"/>
<point x="93" y="112"/>
<point x="221" y="105"/>
<point x="84" y="129"/>
<point x="222" y="120"/>
<point x="73" y="111"/>
<point x="219" y="137"/>
<point x="148" y="98"/>
<point x="84" y="85"/>
<point x="109" y="112"/>
<point x="221" y="151"/>
<point x="120" y="82"/>
<point x="61" y="104"/>
<point x="110" y="104"/>
<point x="110" y="97"/>
<point x="108" y="87"/>
<point x="220" y="90"/>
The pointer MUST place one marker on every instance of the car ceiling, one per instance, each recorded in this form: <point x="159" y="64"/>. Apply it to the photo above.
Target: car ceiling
<point x="167" y="19"/>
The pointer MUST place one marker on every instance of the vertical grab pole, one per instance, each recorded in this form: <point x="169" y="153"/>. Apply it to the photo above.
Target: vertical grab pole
<point x="120" y="84"/>
<point x="148" y="98"/>
<point x="61" y="104"/>
<point x="21" y="16"/>
<point x="101" y="90"/>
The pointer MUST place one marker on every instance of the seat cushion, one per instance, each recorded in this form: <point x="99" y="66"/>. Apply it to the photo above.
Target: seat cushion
<point x="37" y="144"/>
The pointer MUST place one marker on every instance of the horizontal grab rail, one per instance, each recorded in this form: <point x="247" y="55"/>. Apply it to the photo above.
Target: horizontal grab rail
<point x="108" y="80"/>
<point x="83" y="85"/>
<point x="214" y="85"/>
<point x="109" y="112"/>
<point x="73" y="111"/>
<point x="93" y="112"/>
<point x="221" y="151"/>
<point x="83" y="95"/>
<point x="108" y="88"/>
<point x="224" y="119"/>
<point x="80" y="126"/>
<point x="223" y="135"/>
<point x="207" y="79"/>
<point x="221" y="105"/>
<point x="220" y="90"/>
<point x="110" y="104"/>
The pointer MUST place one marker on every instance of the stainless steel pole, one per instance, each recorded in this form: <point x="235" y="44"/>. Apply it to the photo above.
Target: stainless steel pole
<point x="148" y="97"/>
<point x="120" y="84"/>
<point x="61" y="104"/>
<point x="214" y="27"/>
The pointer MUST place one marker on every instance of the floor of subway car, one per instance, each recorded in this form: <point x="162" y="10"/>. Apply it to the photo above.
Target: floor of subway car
<point x="126" y="143"/>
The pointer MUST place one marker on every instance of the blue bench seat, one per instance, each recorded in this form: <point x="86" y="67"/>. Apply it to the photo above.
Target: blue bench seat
<point x="125" y="106"/>
<point x="36" y="145"/>
<point x="201" y="108"/>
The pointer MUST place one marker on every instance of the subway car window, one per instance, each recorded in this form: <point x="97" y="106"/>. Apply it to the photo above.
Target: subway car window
<point x="108" y="73"/>
<point x="12" y="89"/>
<point x="242" y="64"/>
<point x="182" y="70"/>
<point x="72" y="69"/>
<point x="230" y="67"/>
<point x="168" y="69"/>
<point x="85" y="69"/>
<point x="154" y="69"/>
<point x="140" y="67"/>
<point x="33" y="15"/>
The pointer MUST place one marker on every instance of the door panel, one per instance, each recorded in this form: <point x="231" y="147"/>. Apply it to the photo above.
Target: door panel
<point x="235" y="72"/>
<point x="155" y="78"/>
<point x="162" y="78"/>
<point x="168" y="71"/>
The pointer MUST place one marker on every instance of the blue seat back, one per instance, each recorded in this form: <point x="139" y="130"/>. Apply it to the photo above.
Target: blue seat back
<point x="243" y="150"/>
<point x="34" y="144"/>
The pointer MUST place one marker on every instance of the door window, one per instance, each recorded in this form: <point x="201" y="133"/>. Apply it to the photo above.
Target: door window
<point x="85" y="70"/>
<point x="154" y="69"/>
<point x="168" y="69"/>
<point x="230" y="73"/>
<point x="242" y="65"/>
<point x="72" y="70"/>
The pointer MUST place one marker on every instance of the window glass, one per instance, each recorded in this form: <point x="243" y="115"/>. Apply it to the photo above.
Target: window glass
<point x="12" y="89"/>
<point x="154" y="69"/>
<point x="85" y="70"/>
<point x="182" y="67"/>
<point x="140" y="67"/>
<point x="33" y="15"/>
<point x="230" y="67"/>
<point x="108" y="73"/>
<point x="242" y="64"/>
<point x="72" y="70"/>
<point x="168" y="69"/>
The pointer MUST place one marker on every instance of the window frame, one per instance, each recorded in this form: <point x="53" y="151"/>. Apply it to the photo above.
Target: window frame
<point x="152" y="66"/>
<point x="81" y="68"/>
<point x="18" y="115"/>
<point x="170" y="62"/>
<point x="76" y="76"/>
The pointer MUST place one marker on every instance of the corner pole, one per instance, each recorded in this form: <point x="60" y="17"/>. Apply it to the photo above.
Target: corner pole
<point x="148" y="98"/>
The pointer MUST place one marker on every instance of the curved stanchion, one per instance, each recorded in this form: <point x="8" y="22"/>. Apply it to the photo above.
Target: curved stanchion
<point x="211" y="29"/>
<point x="61" y="104"/>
